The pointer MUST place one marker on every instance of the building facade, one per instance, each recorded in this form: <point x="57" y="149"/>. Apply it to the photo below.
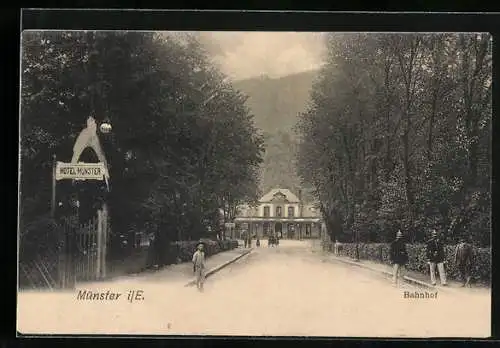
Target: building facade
<point x="281" y="213"/>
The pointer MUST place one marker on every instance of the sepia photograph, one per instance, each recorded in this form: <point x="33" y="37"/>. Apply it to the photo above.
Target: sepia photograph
<point x="264" y="184"/>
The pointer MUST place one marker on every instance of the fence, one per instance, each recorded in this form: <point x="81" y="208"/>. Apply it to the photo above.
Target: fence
<point x="90" y="249"/>
<point x="74" y="253"/>
<point x="40" y="272"/>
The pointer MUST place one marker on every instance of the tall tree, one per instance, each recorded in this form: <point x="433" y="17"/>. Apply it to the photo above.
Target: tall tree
<point x="179" y="128"/>
<point x="390" y="139"/>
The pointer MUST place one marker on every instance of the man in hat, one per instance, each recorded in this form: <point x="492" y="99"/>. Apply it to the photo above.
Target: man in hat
<point x="463" y="260"/>
<point x="398" y="257"/>
<point x="435" y="257"/>
<point x="199" y="266"/>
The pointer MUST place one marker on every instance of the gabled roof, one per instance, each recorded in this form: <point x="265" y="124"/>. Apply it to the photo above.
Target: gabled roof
<point x="290" y="197"/>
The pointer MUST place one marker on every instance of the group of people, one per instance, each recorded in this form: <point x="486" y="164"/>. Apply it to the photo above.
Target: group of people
<point x="273" y="241"/>
<point x="435" y="258"/>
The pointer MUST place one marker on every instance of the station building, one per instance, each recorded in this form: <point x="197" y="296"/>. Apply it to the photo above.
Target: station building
<point x="281" y="213"/>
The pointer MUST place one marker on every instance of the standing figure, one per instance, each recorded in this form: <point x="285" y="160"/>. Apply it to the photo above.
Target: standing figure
<point x="435" y="257"/>
<point x="463" y="259"/>
<point x="257" y="243"/>
<point x="277" y="240"/>
<point x="199" y="266"/>
<point x="398" y="257"/>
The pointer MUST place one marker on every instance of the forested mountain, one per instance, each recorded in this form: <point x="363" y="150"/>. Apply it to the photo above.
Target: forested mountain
<point x="276" y="104"/>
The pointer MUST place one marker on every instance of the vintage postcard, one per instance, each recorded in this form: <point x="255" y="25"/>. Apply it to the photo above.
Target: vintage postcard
<point x="255" y="184"/>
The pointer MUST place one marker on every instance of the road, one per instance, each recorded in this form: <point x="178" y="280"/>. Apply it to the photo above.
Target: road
<point x="284" y="291"/>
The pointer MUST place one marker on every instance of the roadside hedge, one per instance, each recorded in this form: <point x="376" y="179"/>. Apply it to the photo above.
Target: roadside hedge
<point x="135" y="260"/>
<point x="379" y="252"/>
<point x="184" y="250"/>
<point x="140" y="259"/>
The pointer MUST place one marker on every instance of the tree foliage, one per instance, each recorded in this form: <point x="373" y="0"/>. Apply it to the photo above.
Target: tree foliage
<point x="183" y="143"/>
<point x="397" y="135"/>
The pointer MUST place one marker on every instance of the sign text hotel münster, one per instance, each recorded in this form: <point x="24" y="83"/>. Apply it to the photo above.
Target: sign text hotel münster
<point x="80" y="171"/>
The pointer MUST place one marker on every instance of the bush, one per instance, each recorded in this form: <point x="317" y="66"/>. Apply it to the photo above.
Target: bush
<point x="135" y="262"/>
<point x="184" y="250"/>
<point x="379" y="252"/>
<point x="38" y="238"/>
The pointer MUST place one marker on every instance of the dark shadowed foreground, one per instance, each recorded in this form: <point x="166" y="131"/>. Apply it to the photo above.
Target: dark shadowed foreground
<point x="287" y="291"/>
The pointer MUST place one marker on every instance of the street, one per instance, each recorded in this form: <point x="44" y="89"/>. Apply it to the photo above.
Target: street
<point x="284" y="291"/>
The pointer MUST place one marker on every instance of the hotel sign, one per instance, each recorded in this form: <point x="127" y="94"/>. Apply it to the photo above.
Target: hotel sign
<point x="80" y="171"/>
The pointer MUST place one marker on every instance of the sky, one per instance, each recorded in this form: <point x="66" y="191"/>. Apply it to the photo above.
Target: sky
<point x="247" y="54"/>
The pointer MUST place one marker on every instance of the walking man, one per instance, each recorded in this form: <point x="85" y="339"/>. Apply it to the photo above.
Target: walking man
<point x="435" y="257"/>
<point x="336" y="247"/>
<point x="398" y="257"/>
<point x="199" y="266"/>
<point x="463" y="260"/>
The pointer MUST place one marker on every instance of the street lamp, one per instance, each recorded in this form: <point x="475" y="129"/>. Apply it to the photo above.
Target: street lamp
<point x="105" y="126"/>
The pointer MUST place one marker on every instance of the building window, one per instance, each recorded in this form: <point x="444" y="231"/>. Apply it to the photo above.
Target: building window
<point x="291" y="211"/>
<point x="278" y="211"/>
<point x="308" y="229"/>
<point x="267" y="211"/>
<point x="265" y="227"/>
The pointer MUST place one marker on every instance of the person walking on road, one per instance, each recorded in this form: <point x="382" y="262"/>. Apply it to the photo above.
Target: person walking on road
<point x="463" y="260"/>
<point x="435" y="257"/>
<point x="398" y="257"/>
<point x="336" y="248"/>
<point x="199" y="266"/>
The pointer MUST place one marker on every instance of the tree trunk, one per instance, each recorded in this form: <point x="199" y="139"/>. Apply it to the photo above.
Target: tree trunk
<point x="431" y="123"/>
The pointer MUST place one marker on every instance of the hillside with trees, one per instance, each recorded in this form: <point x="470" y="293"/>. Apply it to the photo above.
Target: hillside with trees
<point x="276" y="104"/>
<point x="398" y="135"/>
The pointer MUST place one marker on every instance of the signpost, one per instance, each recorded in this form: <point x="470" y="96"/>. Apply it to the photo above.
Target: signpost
<point x="83" y="171"/>
<point x="80" y="171"/>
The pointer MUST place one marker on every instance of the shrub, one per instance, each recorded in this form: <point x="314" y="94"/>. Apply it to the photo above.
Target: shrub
<point x="379" y="252"/>
<point x="184" y="250"/>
